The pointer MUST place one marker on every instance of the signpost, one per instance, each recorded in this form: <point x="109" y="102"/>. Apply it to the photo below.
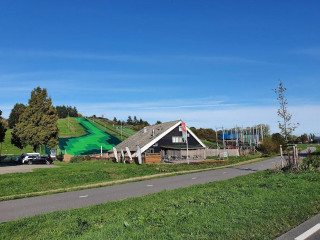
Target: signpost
<point x="185" y="137"/>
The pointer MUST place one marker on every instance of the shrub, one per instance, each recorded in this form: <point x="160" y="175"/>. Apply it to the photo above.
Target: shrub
<point x="77" y="159"/>
<point x="269" y="146"/>
<point x="310" y="162"/>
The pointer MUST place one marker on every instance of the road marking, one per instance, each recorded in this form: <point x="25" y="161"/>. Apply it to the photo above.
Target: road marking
<point x="194" y="178"/>
<point x="308" y="233"/>
<point x="83" y="196"/>
<point x="224" y="172"/>
<point x="149" y="185"/>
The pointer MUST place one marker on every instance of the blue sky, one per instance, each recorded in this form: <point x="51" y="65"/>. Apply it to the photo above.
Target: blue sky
<point x="208" y="63"/>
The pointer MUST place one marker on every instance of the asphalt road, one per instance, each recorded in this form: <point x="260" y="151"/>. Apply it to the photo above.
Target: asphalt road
<point x="303" y="228"/>
<point x="19" y="208"/>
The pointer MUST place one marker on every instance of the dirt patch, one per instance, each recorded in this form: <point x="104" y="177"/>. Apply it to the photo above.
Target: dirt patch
<point x="113" y="175"/>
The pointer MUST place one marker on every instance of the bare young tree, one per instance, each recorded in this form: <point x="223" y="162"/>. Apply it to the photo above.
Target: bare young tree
<point x="286" y="127"/>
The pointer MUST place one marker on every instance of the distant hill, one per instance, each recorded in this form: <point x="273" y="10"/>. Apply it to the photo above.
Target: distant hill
<point x="72" y="128"/>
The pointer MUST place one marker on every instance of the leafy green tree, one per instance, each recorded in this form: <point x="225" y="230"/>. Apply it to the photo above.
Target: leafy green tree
<point x="38" y="124"/>
<point x="135" y="120"/>
<point x="65" y="111"/>
<point x="3" y="129"/>
<point x="286" y="127"/>
<point x="129" y="121"/>
<point x="16" y="112"/>
<point x="304" y="138"/>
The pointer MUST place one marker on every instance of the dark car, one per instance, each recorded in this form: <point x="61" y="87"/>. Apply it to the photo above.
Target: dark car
<point x="40" y="159"/>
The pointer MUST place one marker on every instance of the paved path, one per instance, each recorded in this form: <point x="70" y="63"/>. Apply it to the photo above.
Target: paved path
<point x="19" y="208"/>
<point x="303" y="228"/>
<point x="23" y="168"/>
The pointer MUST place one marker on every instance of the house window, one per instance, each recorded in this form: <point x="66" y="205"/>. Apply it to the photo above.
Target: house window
<point x="177" y="140"/>
<point x="180" y="129"/>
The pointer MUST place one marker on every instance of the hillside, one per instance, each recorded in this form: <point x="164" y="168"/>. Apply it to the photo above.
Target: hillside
<point x="112" y="129"/>
<point x="105" y="132"/>
<point x="74" y="129"/>
<point x="8" y="148"/>
<point x="91" y="143"/>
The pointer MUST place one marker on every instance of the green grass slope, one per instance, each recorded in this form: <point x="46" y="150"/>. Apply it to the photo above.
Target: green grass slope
<point x="74" y="129"/>
<point x="111" y="130"/>
<point x="90" y="143"/>
<point x="8" y="148"/>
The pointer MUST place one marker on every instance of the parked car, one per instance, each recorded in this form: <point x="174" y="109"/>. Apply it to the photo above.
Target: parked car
<point x="40" y="159"/>
<point x="31" y="158"/>
<point x="25" y="157"/>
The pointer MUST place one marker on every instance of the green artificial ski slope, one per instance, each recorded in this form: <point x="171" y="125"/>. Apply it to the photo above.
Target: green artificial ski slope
<point x="90" y="143"/>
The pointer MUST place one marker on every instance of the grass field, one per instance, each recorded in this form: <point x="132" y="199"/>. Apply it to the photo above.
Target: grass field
<point x="306" y="145"/>
<point x="90" y="143"/>
<point x="74" y="129"/>
<point x="77" y="174"/>
<point x="8" y="148"/>
<point x="257" y="206"/>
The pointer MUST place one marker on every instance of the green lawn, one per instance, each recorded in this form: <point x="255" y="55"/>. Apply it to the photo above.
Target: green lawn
<point x="74" y="129"/>
<point x="77" y="174"/>
<point x="304" y="146"/>
<point x="257" y="206"/>
<point x="8" y="148"/>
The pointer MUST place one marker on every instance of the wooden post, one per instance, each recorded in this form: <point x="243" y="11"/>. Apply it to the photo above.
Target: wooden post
<point x="281" y="154"/>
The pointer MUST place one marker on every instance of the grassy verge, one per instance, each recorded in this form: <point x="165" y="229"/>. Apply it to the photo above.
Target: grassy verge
<point x="257" y="206"/>
<point x="85" y="173"/>
<point x="74" y="129"/>
<point x="304" y="146"/>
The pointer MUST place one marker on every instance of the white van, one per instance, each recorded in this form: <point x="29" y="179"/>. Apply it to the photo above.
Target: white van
<point x="25" y="157"/>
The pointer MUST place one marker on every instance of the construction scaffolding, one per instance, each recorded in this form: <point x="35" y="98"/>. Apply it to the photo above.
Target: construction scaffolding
<point x="238" y="137"/>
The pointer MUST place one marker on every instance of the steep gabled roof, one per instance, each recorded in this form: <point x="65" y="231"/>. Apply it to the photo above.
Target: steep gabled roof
<point x="145" y="138"/>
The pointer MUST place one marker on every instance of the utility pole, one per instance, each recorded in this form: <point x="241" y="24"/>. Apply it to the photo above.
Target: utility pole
<point x="223" y="137"/>
<point x="121" y="130"/>
<point x="217" y="139"/>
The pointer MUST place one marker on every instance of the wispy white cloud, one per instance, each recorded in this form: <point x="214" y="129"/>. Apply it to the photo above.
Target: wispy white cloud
<point x="156" y="58"/>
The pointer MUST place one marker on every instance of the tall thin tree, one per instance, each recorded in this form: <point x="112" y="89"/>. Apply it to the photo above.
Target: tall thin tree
<point x="286" y="127"/>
